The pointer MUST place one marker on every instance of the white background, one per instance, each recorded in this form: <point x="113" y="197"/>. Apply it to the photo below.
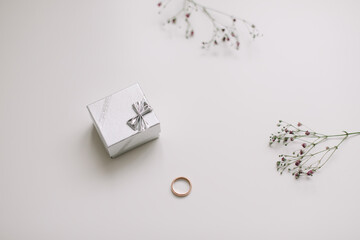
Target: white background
<point x="217" y="109"/>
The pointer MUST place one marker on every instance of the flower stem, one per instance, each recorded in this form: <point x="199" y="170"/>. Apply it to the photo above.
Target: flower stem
<point x="345" y="134"/>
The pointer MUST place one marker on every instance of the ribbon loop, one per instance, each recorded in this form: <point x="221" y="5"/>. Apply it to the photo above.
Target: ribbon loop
<point x="138" y="122"/>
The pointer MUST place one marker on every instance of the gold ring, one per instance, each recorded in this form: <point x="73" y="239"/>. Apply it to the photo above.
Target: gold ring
<point x="180" y="194"/>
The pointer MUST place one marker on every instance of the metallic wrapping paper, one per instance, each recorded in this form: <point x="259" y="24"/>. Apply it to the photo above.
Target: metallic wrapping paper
<point x="138" y="123"/>
<point x="124" y="120"/>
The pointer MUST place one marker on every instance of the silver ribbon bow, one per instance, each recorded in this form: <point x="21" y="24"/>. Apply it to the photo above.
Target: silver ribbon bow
<point x="138" y="123"/>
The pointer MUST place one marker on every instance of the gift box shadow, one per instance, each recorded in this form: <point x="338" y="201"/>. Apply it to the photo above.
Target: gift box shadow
<point x="140" y="154"/>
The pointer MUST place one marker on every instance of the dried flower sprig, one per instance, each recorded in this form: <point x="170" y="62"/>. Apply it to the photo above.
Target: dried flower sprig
<point x="222" y="33"/>
<point x="312" y="154"/>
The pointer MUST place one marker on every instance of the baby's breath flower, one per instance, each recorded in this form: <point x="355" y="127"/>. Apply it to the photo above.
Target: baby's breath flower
<point x="310" y="157"/>
<point x="225" y="32"/>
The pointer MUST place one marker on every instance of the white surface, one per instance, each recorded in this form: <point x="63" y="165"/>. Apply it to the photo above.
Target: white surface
<point x="57" y="182"/>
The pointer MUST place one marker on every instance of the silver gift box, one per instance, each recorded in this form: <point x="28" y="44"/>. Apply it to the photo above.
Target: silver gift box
<point x="124" y="120"/>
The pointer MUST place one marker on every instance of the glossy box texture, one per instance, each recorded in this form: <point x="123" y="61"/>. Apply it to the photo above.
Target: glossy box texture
<point x="124" y="120"/>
